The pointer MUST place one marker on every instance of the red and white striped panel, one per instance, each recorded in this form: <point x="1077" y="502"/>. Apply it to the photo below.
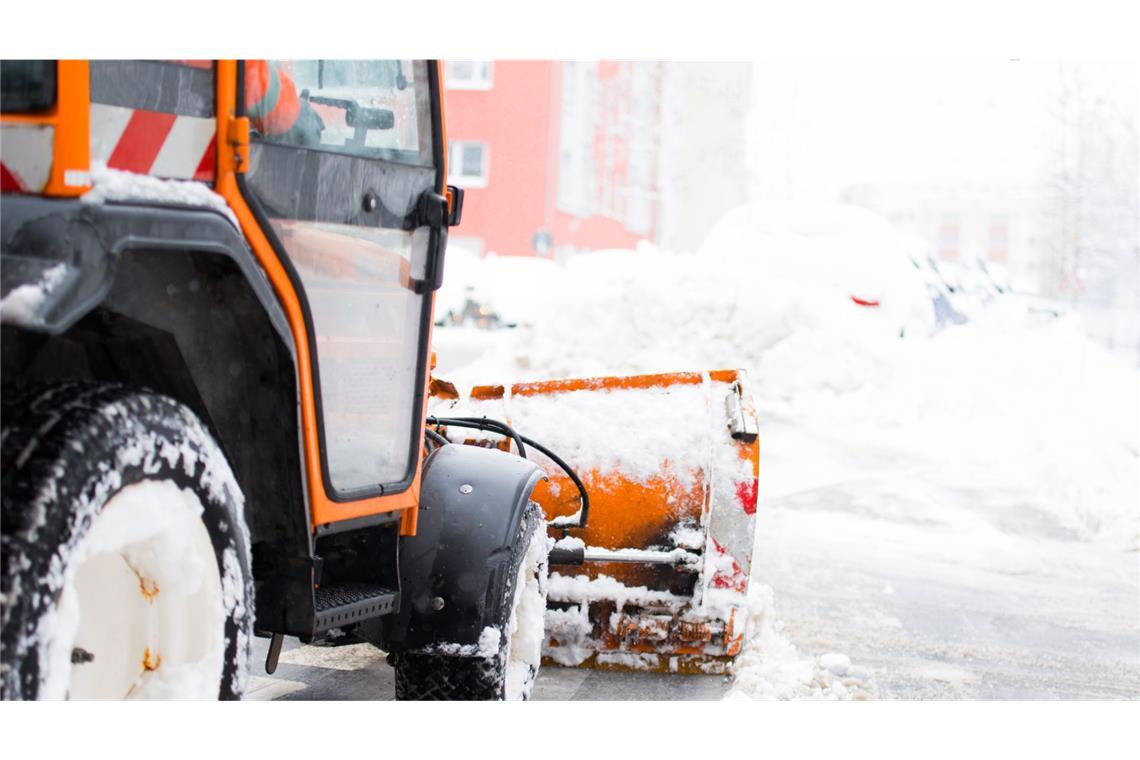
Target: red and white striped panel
<point x="26" y="154"/>
<point x="149" y="142"/>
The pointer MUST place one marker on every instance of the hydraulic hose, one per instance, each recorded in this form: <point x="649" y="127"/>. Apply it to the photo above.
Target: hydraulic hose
<point x="482" y="423"/>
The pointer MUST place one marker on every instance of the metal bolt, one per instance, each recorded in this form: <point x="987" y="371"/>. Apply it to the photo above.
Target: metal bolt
<point x="437" y="603"/>
<point x="81" y="656"/>
<point x="465" y="488"/>
<point x="370" y="202"/>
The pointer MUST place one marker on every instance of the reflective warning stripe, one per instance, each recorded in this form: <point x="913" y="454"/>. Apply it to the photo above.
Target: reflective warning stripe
<point x="138" y="146"/>
<point x="148" y="142"/>
<point x="26" y="153"/>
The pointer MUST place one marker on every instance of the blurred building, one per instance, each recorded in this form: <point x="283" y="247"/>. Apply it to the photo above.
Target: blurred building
<point x="559" y="157"/>
<point x="988" y="220"/>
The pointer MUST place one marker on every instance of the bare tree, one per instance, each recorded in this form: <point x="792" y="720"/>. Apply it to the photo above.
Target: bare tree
<point x="1091" y="222"/>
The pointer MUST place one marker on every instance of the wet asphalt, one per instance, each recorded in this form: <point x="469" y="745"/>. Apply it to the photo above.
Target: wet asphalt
<point x="359" y="672"/>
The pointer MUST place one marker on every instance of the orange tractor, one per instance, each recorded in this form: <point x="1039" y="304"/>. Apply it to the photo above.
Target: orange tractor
<point x="219" y="420"/>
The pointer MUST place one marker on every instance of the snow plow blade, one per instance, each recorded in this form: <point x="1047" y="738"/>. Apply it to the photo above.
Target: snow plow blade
<point x="657" y="577"/>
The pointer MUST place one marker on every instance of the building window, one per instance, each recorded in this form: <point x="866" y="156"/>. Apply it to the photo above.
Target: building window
<point x="468" y="163"/>
<point x="469" y="75"/>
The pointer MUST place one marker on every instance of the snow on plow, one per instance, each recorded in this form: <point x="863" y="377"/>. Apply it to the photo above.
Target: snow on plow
<point x="656" y="578"/>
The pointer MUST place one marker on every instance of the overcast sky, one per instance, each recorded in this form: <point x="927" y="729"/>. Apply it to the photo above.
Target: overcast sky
<point x="819" y="126"/>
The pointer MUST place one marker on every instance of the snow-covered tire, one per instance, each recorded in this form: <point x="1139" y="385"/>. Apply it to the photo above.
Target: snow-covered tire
<point x="502" y="669"/>
<point x="105" y="483"/>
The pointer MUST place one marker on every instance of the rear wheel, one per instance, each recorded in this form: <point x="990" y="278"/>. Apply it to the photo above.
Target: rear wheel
<point x="504" y="664"/>
<point x="126" y="558"/>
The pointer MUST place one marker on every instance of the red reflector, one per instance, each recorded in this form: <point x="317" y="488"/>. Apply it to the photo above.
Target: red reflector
<point x="864" y="302"/>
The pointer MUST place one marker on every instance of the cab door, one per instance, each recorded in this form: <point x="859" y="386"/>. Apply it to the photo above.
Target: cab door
<point x="346" y="173"/>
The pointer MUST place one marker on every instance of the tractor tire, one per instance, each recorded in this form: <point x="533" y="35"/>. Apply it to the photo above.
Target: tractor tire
<point x="495" y="671"/>
<point x="126" y="566"/>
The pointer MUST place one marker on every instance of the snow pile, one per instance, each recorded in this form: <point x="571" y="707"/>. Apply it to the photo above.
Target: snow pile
<point x="1034" y="411"/>
<point x="772" y="668"/>
<point x="516" y="288"/>
<point x="22" y="305"/>
<point x="744" y="292"/>
<point x="1012" y="400"/>
<point x="114" y="185"/>
<point x="598" y="430"/>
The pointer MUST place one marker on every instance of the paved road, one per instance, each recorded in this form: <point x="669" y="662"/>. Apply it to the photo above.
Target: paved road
<point x="943" y="591"/>
<point x="358" y="671"/>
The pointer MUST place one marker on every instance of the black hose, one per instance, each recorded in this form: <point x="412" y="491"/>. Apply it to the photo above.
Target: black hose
<point x="436" y="438"/>
<point x="482" y="423"/>
<point x="585" y="511"/>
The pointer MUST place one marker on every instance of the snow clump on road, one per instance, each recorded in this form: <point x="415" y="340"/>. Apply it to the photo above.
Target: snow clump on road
<point x="771" y="667"/>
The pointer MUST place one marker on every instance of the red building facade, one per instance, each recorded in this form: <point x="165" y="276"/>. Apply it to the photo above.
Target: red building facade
<point x="556" y="157"/>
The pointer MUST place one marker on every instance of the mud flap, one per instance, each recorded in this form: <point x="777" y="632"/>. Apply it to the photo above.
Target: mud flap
<point x="472" y="502"/>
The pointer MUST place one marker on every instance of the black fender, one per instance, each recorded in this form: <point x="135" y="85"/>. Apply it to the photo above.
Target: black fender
<point x="472" y="501"/>
<point x="85" y="243"/>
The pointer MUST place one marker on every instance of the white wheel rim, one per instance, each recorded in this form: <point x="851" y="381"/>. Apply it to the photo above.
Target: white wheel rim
<point x="526" y="626"/>
<point x="143" y="598"/>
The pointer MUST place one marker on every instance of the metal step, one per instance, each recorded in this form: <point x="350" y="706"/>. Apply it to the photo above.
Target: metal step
<point x="348" y="603"/>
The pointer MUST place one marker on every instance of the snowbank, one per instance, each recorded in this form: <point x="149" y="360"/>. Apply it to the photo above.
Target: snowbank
<point x="517" y="288"/>
<point x="743" y="293"/>
<point x="1012" y="400"/>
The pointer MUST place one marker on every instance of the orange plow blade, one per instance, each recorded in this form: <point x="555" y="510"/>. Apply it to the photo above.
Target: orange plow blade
<point x="657" y="577"/>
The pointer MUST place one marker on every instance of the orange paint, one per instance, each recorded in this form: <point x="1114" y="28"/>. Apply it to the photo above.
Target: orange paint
<point x="615" y="383"/>
<point x="69" y="117"/>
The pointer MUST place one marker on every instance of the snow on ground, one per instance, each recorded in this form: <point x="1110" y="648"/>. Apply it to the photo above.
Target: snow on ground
<point x="957" y="508"/>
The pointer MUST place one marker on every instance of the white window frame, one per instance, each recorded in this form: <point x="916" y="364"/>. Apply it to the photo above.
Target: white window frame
<point x="467" y="181"/>
<point x="483" y="76"/>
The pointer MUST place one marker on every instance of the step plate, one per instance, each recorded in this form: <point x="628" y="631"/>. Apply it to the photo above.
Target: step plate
<point x="342" y="605"/>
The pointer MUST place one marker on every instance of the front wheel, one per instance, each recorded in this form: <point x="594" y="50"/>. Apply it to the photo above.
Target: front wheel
<point x="504" y="663"/>
<point x="126" y="556"/>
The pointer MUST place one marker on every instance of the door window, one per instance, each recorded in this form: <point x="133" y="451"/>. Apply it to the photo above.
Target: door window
<point x="342" y="153"/>
<point x="372" y="109"/>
